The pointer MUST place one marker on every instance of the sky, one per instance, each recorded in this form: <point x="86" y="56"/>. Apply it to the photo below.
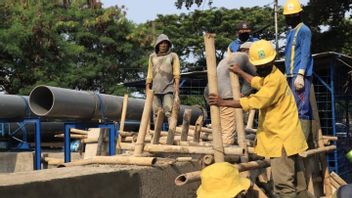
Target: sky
<point x="140" y="11"/>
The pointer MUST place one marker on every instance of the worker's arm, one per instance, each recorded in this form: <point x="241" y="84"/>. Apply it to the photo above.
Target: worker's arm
<point x="267" y="95"/>
<point x="305" y="42"/>
<point x="176" y="72"/>
<point x="216" y="100"/>
<point x="149" y="74"/>
<point x="237" y="70"/>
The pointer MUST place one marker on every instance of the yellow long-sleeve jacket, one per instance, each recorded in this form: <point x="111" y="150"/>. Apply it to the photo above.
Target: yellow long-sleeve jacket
<point x="279" y="126"/>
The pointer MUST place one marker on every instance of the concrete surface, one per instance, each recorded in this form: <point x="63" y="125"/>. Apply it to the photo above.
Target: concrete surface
<point x="101" y="181"/>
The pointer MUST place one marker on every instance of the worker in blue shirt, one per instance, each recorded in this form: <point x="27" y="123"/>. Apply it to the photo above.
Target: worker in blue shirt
<point x="299" y="62"/>
<point x="243" y="33"/>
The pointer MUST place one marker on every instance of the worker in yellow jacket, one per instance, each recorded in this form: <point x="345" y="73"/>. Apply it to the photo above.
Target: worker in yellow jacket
<point x="279" y="134"/>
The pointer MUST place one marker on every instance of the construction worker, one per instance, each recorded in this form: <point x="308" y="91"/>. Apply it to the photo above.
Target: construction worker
<point x="299" y="62"/>
<point x="279" y="134"/>
<point x="244" y="30"/>
<point x="163" y="75"/>
<point x="222" y="180"/>
<point x="227" y="114"/>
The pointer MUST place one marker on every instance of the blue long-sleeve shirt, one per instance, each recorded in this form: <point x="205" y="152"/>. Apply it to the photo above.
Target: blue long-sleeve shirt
<point x="298" y="58"/>
<point x="235" y="45"/>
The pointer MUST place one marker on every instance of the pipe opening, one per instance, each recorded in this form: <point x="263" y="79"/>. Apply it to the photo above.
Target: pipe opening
<point x="181" y="180"/>
<point x="41" y="100"/>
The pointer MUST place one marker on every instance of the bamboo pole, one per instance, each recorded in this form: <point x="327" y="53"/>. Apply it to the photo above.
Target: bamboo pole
<point x="125" y="133"/>
<point x="199" y="144"/>
<point x="144" y="123"/>
<point x="157" y="127"/>
<point x="173" y="120"/>
<point x="317" y="150"/>
<point x="185" y="124"/>
<point x="250" y="119"/>
<point x="208" y="159"/>
<point x="122" y="122"/>
<point x="195" y="176"/>
<point x="73" y="136"/>
<point x="241" y="136"/>
<point x="199" y="124"/>
<point x="123" y="160"/>
<point x="204" y="129"/>
<point x="213" y="88"/>
<point x="338" y="179"/>
<point x="316" y="121"/>
<point x="79" y="131"/>
<point x="330" y="138"/>
<point x="157" y="148"/>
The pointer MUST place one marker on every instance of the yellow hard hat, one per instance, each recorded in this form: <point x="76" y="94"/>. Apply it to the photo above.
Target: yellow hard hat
<point x="292" y="7"/>
<point x="261" y="52"/>
<point x="221" y="180"/>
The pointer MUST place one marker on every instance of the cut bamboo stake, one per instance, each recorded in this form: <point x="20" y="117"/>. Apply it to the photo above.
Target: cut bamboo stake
<point x="316" y="121"/>
<point x="122" y="122"/>
<point x="195" y="176"/>
<point x="144" y="123"/>
<point x="173" y="120"/>
<point x="208" y="159"/>
<point x="157" y="148"/>
<point x="124" y="160"/>
<point x="79" y="131"/>
<point x="213" y="88"/>
<point x="317" y="150"/>
<point x="184" y="159"/>
<point x="330" y="138"/>
<point x="199" y="124"/>
<point x="241" y="136"/>
<point x="204" y="129"/>
<point x="157" y="127"/>
<point x="250" y="119"/>
<point x="185" y="124"/>
<point x="73" y="136"/>
<point x="338" y="179"/>
<point x="125" y="134"/>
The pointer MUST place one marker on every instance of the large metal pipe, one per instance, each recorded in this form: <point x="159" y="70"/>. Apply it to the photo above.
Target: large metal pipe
<point x="54" y="102"/>
<point x="14" y="107"/>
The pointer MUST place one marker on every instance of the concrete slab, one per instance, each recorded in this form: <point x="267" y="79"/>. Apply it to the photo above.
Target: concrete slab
<point x="99" y="181"/>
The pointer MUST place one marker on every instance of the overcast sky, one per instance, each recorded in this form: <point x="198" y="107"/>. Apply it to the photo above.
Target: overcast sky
<point x="140" y="11"/>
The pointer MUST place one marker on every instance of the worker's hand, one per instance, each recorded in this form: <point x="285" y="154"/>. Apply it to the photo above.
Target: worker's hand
<point x="214" y="99"/>
<point x="299" y="82"/>
<point x="235" y="68"/>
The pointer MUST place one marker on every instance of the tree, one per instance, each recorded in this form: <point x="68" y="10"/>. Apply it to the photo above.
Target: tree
<point x="71" y="46"/>
<point x="186" y="30"/>
<point x="330" y="22"/>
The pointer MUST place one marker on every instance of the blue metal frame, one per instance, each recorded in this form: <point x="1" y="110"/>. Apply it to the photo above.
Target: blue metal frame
<point x="331" y="89"/>
<point x="113" y="133"/>
<point x="37" y="148"/>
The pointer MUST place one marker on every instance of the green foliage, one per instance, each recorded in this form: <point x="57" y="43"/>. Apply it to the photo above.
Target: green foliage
<point x="186" y="30"/>
<point x="74" y="47"/>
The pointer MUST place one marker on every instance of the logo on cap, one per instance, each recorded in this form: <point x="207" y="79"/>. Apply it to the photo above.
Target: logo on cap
<point x="290" y="6"/>
<point x="261" y="54"/>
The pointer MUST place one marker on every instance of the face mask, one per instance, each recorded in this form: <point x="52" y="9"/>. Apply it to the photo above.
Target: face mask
<point x="243" y="36"/>
<point x="264" y="71"/>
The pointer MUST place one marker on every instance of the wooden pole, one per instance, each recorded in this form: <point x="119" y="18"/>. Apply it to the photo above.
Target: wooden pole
<point x="173" y="120"/>
<point x="241" y="137"/>
<point x="144" y="123"/>
<point x="79" y="131"/>
<point x="122" y="122"/>
<point x="124" y="160"/>
<point x="73" y="136"/>
<point x="213" y="88"/>
<point x="157" y="127"/>
<point x="317" y="150"/>
<point x="158" y="148"/>
<point x="316" y="121"/>
<point x="204" y="129"/>
<point x="199" y="124"/>
<point x="338" y="179"/>
<point x="195" y="176"/>
<point x="185" y="124"/>
<point x="250" y="119"/>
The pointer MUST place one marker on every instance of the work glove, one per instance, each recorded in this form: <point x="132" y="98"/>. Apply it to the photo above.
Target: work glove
<point x="299" y="82"/>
